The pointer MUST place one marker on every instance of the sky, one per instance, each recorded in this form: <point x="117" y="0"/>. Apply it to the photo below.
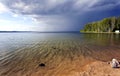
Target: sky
<point x="54" y="15"/>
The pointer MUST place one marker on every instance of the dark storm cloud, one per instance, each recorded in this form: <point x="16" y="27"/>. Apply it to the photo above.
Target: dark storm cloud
<point x="70" y="13"/>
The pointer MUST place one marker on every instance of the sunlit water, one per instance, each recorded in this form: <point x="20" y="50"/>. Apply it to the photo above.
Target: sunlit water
<point x="62" y="53"/>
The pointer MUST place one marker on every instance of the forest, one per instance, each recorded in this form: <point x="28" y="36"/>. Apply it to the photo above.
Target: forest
<point x="106" y="25"/>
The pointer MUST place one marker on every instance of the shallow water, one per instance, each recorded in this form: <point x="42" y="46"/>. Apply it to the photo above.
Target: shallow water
<point x="62" y="53"/>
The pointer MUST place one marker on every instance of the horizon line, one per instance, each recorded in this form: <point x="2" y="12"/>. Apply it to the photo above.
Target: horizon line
<point x="40" y="31"/>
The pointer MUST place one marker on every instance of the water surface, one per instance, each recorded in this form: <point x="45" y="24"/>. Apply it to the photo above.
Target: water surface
<point x="62" y="53"/>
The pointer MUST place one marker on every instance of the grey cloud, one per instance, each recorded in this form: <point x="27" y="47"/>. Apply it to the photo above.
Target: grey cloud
<point x="105" y="5"/>
<point x="39" y="6"/>
<point x="53" y="19"/>
<point x="51" y="7"/>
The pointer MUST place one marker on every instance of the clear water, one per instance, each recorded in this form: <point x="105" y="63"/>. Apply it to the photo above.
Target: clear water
<point x="13" y="41"/>
<point x="27" y="50"/>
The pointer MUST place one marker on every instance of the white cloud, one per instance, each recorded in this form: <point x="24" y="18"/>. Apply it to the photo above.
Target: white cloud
<point x="4" y="21"/>
<point x="9" y="25"/>
<point x="3" y="8"/>
<point x="15" y="15"/>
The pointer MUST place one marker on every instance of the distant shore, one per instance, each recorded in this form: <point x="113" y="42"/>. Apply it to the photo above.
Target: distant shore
<point x="101" y="32"/>
<point x="108" y="25"/>
<point x="39" y="31"/>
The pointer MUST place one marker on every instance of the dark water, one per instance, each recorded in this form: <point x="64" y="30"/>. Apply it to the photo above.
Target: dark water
<point x="21" y="53"/>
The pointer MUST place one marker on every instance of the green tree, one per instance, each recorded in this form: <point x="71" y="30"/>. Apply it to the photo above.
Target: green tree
<point x="105" y="25"/>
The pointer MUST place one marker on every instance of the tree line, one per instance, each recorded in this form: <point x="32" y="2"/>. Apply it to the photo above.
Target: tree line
<point x="106" y="25"/>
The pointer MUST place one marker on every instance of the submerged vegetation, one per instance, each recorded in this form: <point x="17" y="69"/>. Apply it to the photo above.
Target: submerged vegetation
<point x="105" y="25"/>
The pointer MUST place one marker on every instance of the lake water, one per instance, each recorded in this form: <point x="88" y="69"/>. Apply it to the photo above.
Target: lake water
<point x="62" y="53"/>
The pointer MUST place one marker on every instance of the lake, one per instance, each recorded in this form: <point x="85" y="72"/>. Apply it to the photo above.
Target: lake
<point x="21" y="54"/>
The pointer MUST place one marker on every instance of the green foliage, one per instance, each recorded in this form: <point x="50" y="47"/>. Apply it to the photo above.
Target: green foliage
<point x="105" y="25"/>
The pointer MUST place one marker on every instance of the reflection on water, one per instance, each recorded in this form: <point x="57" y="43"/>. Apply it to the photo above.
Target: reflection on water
<point x="62" y="53"/>
<point x="103" y="39"/>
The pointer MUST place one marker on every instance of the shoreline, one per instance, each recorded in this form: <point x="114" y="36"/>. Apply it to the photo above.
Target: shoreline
<point x="101" y="32"/>
<point x="99" y="68"/>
